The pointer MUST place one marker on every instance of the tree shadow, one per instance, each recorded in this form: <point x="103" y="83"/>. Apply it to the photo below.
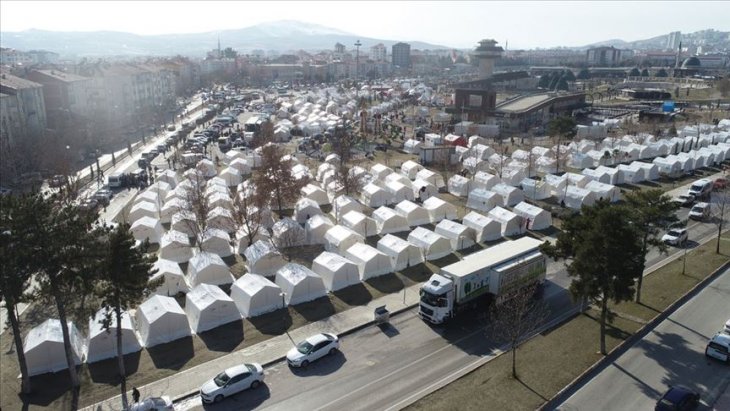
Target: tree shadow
<point x="172" y="355"/>
<point x="107" y="371"/>
<point x="356" y="294"/>
<point x="532" y="390"/>
<point x="55" y="385"/>
<point x="315" y="310"/>
<point x="649" y="307"/>
<point x="223" y="338"/>
<point x="388" y="283"/>
<point x="273" y="323"/>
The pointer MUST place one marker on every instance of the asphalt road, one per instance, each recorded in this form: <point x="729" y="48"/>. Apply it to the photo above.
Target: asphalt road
<point x="671" y="354"/>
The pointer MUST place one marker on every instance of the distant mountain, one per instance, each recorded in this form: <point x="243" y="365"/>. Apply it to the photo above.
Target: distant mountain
<point x="712" y="38"/>
<point x="280" y="36"/>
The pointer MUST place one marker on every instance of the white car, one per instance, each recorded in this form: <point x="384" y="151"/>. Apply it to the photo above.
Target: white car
<point x="719" y="347"/>
<point x="232" y="381"/>
<point x="153" y="404"/>
<point x="675" y="236"/>
<point x="312" y="349"/>
<point x="726" y="330"/>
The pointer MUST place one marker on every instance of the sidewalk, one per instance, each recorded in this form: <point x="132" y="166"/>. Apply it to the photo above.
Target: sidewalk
<point x="187" y="383"/>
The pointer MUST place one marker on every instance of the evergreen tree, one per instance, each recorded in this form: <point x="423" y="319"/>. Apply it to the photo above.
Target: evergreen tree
<point x="584" y="74"/>
<point x="569" y="76"/>
<point x="661" y="73"/>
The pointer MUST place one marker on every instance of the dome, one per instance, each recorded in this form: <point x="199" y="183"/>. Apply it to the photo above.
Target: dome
<point x="691" y="62"/>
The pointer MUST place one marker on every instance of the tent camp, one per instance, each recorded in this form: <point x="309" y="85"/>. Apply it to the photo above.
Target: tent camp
<point x="482" y="199"/>
<point x="536" y="189"/>
<point x="208" y="268"/>
<point x="232" y="176"/>
<point x="439" y="209"/>
<point x="339" y="238"/>
<point x="344" y="204"/>
<point x="410" y="169"/>
<point x="143" y="209"/>
<point x="102" y="344"/>
<point x="609" y="175"/>
<point x="156" y="198"/>
<point x="360" y="223"/>
<point x="412" y="146"/>
<point x="242" y="165"/>
<point x="631" y="173"/>
<point x="173" y="278"/>
<point x="185" y="222"/>
<point x="44" y="349"/>
<point x="604" y="191"/>
<point x="423" y="190"/>
<point x="160" y="320"/>
<point x="414" y="214"/>
<point x="171" y="207"/>
<point x="513" y="176"/>
<point x="243" y="240"/>
<point x="398" y="177"/>
<point x="672" y="167"/>
<point x="168" y="176"/>
<point x="433" y="246"/>
<point x="459" y="185"/>
<point x="380" y="171"/>
<point x="388" y="221"/>
<point x="536" y="217"/>
<point x="375" y="196"/>
<point x="206" y="167"/>
<point x="337" y="272"/>
<point x="208" y="307"/>
<point x="287" y="233"/>
<point x="370" y="262"/>
<point x="175" y="246"/>
<point x="432" y="177"/>
<point x="217" y="242"/>
<point x="402" y="253"/>
<point x="219" y="199"/>
<point x="510" y="222"/>
<point x="576" y="198"/>
<point x="315" y="229"/>
<point x="263" y="258"/>
<point x="485" y="228"/>
<point x="222" y="219"/>
<point x="484" y="180"/>
<point x="509" y="195"/>
<point x="315" y="193"/>
<point x="147" y="228"/>
<point x="254" y="295"/>
<point x="398" y="190"/>
<point x="651" y="171"/>
<point x="461" y="236"/>
<point x="299" y="284"/>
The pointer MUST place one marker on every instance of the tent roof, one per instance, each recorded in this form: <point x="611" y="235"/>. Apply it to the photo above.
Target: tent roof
<point x="204" y="295"/>
<point x="96" y="328"/>
<point x="204" y="259"/>
<point x="258" y="250"/>
<point x="251" y="284"/>
<point x="426" y="236"/>
<point x="157" y="306"/>
<point x="295" y="273"/>
<point x="528" y="209"/>
<point x="333" y="262"/>
<point x="502" y="214"/>
<point x="394" y="243"/>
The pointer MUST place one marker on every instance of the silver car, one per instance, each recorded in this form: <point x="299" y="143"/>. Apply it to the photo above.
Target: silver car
<point x="232" y="381"/>
<point x="312" y="349"/>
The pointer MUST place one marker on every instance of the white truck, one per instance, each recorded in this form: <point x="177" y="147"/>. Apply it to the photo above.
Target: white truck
<point x="485" y="277"/>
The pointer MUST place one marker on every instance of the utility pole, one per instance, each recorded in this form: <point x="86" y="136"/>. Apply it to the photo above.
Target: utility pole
<point x="357" y="66"/>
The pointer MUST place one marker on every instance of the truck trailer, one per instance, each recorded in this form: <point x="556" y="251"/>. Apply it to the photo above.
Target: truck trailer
<point x="489" y="276"/>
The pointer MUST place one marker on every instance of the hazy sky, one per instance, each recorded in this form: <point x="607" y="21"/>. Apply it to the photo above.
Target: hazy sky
<point x="454" y="24"/>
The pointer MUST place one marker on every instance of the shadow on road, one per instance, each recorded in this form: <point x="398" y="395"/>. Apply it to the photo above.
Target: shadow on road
<point x="388" y="330"/>
<point x="324" y="366"/>
<point x="245" y="400"/>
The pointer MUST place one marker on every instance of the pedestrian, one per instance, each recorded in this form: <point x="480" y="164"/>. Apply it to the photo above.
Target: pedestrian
<point x="135" y="394"/>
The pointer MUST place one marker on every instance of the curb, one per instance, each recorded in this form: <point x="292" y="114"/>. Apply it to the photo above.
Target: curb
<point x="620" y="349"/>
<point x="276" y="360"/>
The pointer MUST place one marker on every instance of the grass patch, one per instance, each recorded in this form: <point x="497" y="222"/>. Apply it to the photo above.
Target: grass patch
<point x="550" y="361"/>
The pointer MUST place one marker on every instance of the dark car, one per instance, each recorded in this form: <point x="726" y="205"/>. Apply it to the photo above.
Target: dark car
<point x="678" y="398"/>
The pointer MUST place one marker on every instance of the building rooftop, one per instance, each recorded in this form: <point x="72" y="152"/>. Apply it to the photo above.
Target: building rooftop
<point x="62" y="75"/>
<point x="11" y="82"/>
<point x="525" y="102"/>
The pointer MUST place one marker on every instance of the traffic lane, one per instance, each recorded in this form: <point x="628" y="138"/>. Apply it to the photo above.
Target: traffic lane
<point x="671" y="354"/>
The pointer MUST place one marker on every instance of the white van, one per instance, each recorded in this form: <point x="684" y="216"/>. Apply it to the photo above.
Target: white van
<point x="701" y="188"/>
<point x="699" y="211"/>
<point x="114" y="180"/>
<point x="719" y="347"/>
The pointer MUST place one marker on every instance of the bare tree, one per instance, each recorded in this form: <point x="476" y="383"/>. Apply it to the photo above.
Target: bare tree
<point x="517" y="317"/>
<point x="287" y="235"/>
<point x="248" y="214"/>
<point x="721" y="204"/>
<point x="196" y="205"/>
<point x="274" y="181"/>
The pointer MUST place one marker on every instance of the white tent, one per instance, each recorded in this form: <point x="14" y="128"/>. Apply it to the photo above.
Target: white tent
<point x="143" y="209"/>
<point x="423" y="189"/>
<point x="232" y="176"/>
<point x="339" y="238"/>
<point x="315" y="193"/>
<point x="159" y="189"/>
<point x="175" y="246"/>
<point x="432" y="177"/>
<point x="373" y="196"/>
<point x="578" y="180"/>
<point x="263" y="258"/>
<point x="173" y="278"/>
<point x="218" y="199"/>
<point x="155" y="198"/>
<point x="536" y="217"/>
<point x="360" y="223"/>
<point x="631" y="173"/>
<point x="415" y="214"/>
<point x="475" y="165"/>
<point x="512" y="176"/>
<point x="370" y="262"/>
<point x="254" y="295"/>
<point x="206" y="167"/>
<point x="433" y="246"/>
<point x="510" y="222"/>
<point x="222" y="219"/>
<point x="287" y="233"/>
<point x="509" y="195"/>
<point x="557" y="183"/>
<point x="208" y="268"/>
<point x="412" y="146"/>
<point x="536" y="189"/>
<point x="217" y="242"/>
<point x="651" y="171"/>
<point x="242" y="165"/>
<point x="576" y="198"/>
<point x="299" y="284"/>
<point x="243" y="240"/>
<point x="333" y="159"/>
<point x="439" y="209"/>
<point x="459" y="185"/>
<point x="388" y="221"/>
<point x="484" y="180"/>
<point x="380" y="171"/>
<point x="160" y="320"/>
<point x="597" y="175"/>
<point x="402" y="253"/>
<point x="323" y="170"/>
<point x="672" y="167"/>
<point x="399" y="191"/>
<point x="461" y="236"/>
<point x="410" y="169"/>
<point x="482" y="200"/>
<point x="485" y="228"/>
<point x="344" y="204"/>
<point x="147" y="228"/>
<point x="102" y="344"/>
<point x="44" y="349"/>
<point x="614" y="177"/>
<point x="315" y="229"/>
<point x="604" y="191"/>
<point x="398" y="177"/>
<point x="208" y="307"/>
<point x="337" y="272"/>
<point x="171" y="207"/>
<point x="304" y="209"/>
<point x="185" y="222"/>
<point x="168" y="176"/>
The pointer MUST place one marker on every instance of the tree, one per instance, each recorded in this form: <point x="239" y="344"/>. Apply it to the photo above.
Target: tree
<point x="517" y="317"/>
<point x="645" y="73"/>
<point x="661" y="73"/>
<point x="196" y="208"/>
<point x="634" y="72"/>
<point x="274" y="181"/>
<point x="584" y="74"/>
<point x="123" y="284"/>
<point x="569" y="76"/>
<point x="561" y="127"/>
<point x="229" y="53"/>
<point x="248" y="214"/>
<point x="651" y="211"/>
<point x="544" y="81"/>
<point x="603" y="255"/>
<point x="721" y="205"/>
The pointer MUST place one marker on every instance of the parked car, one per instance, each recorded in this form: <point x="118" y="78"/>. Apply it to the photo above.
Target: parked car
<point x="685" y="200"/>
<point x="103" y="196"/>
<point x="163" y="403"/>
<point x="232" y="381"/>
<point x="88" y="204"/>
<point x="675" y="236"/>
<point x="719" y="184"/>
<point x="678" y="398"/>
<point x="726" y="330"/>
<point x="701" y="189"/>
<point x="700" y="211"/>
<point x="57" y="181"/>
<point x="312" y="349"/>
<point x="171" y="128"/>
<point x="719" y="347"/>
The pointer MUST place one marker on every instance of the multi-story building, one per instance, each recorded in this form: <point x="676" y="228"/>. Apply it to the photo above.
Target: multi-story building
<point x="674" y="39"/>
<point x="339" y="53"/>
<point x="401" y="53"/>
<point x="604" y="56"/>
<point x="66" y="95"/>
<point x="378" y="52"/>
<point x="12" y="57"/>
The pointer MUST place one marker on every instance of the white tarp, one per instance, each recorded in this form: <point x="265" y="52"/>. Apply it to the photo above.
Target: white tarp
<point x="147" y="228"/>
<point x="254" y="295"/>
<point x="287" y="233"/>
<point x="185" y="222"/>
<point x="459" y="185"/>
<point x="173" y="278"/>
<point x="402" y="253"/>
<point x="432" y="177"/>
<point x="160" y="320"/>
<point x="336" y="271"/>
<point x="482" y="200"/>
<point x="575" y="197"/>
<point x="536" y="189"/>
<point x="484" y="180"/>
<point x="315" y="193"/>
<point x="399" y="190"/>
<point x="103" y="344"/>
<point x="373" y="196"/>
<point x="360" y="223"/>
<point x="423" y="189"/>
<point x="536" y="218"/>
<point x="371" y="262"/>
<point x="208" y="307"/>
<point x="380" y="171"/>
<point x="461" y="236"/>
<point x="604" y="191"/>
<point x="217" y="242"/>
<point x="339" y="238"/>
<point x="175" y="246"/>
<point x="44" y="350"/>
<point x="433" y="246"/>
<point x="414" y="214"/>
<point x="410" y="169"/>
<point x="143" y="209"/>
<point x="508" y="195"/>
<point x="222" y="219"/>
<point x="485" y="228"/>
<point x="439" y="209"/>
<point x="208" y="268"/>
<point x="510" y="222"/>
<point x="299" y="284"/>
<point x="344" y="204"/>
<point x="263" y="258"/>
<point x="388" y="221"/>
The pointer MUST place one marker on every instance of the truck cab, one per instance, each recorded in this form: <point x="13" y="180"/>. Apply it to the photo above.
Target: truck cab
<point x="437" y="299"/>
